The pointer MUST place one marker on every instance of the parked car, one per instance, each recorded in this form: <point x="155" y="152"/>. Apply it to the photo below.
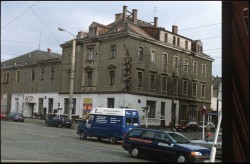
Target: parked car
<point x="210" y="124"/>
<point x="190" y="126"/>
<point x="58" y="121"/>
<point x="3" y="116"/>
<point x="169" y="145"/>
<point x="208" y="142"/>
<point x="17" y="117"/>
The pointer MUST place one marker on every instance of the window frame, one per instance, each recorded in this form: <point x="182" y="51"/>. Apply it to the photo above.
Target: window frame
<point x="113" y="51"/>
<point x="194" y="90"/>
<point x="111" y="77"/>
<point x="153" y="56"/>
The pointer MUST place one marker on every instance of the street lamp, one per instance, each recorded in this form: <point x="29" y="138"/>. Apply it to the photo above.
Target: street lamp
<point x="72" y="73"/>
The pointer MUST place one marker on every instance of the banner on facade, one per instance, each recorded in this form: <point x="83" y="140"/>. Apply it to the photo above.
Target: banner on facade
<point x="87" y="104"/>
<point x="29" y="99"/>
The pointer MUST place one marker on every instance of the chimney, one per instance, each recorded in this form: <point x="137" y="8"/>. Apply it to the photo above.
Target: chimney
<point x="124" y="16"/>
<point x="174" y="29"/>
<point x="155" y="22"/>
<point x="118" y="16"/>
<point x="134" y="16"/>
<point x="49" y="50"/>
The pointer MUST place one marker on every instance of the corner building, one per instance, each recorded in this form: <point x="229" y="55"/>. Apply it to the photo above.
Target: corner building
<point x="135" y="64"/>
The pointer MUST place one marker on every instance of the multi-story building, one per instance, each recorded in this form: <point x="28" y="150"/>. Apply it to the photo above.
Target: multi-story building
<point x="135" y="64"/>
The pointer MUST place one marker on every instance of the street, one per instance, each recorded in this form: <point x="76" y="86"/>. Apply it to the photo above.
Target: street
<point x="26" y="142"/>
<point x="34" y="142"/>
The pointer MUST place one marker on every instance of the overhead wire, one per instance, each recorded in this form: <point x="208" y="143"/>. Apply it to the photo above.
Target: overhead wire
<point x="43" y="22"/>
<point x="19" y="16"/>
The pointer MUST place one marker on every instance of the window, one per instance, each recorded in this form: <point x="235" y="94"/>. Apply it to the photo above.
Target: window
<point x="200" y="50"/>
<point x="178" y="42"/>
<point x="175" y="85"/>
<point x="52" y="70"/>
<point x="194" y="89"/>
<point x="139" y="79"/>
<point x="164" y="84"/>
<point x="42" y="74"/>
<point x="50" y="105"/>
<point x="113" y="51"/>
<point x="89" y="78"/>
<point x="175" y="64"/>
<point x="18" y="76"/>
<point x="203" y="69"/>
<point x="166" y="38"/>
<point x="197" y="48"/>
<point x="174" y="40"/>
<point x="203" y="90"/>
<point x="185" y="87"/>
<point x="152" y="80"/>
<point x="111" y="102"/>
<point x="195" y="67"/>
<point x="66" y="106"/>
<point x="33" y="74"/>
<point x="165" y="59"/>
<point x="185" y="65"/>
<point x="186" y="44"/>
<point x="6" y="76"/>
<point x="40" y="105"/>
<point x="111" y="77"/>
<point x="152" y="106"/>
<point x="140" y="53"/>
<point x="148" y="135"/>
<point x="90" y="53"/>
<point x="92" y="32"/>
<point x="153" y="56"/>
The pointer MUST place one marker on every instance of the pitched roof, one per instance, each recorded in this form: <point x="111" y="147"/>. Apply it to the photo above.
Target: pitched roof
<point x="31" y="58"/>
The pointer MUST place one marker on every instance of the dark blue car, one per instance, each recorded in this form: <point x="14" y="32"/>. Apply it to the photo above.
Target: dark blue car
<point x="168" y="145"/>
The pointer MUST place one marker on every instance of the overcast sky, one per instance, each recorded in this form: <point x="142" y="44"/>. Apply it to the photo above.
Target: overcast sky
<point x="30" y="25"/>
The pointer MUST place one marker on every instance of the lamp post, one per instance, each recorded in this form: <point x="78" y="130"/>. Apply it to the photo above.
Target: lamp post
<point x="72" y="73"/>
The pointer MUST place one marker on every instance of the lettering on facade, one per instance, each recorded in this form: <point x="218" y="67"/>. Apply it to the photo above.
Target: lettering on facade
<point x="29" y="98"/>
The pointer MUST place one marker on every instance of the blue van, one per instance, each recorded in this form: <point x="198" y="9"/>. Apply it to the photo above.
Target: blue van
<point x="109" y="123"/>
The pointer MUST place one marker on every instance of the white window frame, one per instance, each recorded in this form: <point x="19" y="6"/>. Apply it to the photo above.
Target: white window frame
<point x="153" y="56"/>
<point x="113" y="51"/>
<point x="194" y="93"/>
<point x="140" y="53"/>
<point x="195" y="65"/>
<point x="90" y="54"/>
<point x="204" y="69"/>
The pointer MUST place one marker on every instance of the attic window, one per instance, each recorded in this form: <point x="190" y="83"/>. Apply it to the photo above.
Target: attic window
<point x="115" y="29"/>
<point x="92" y="32"/>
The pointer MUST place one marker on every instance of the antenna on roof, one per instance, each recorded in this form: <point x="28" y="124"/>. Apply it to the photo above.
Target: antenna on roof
<point x="155" y="10"/>
<point x="39" y="42"/>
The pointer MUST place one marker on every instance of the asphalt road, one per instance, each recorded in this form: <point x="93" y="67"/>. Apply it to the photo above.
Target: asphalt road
<point x="32" y="141"/>
<point x="28" y="142"/>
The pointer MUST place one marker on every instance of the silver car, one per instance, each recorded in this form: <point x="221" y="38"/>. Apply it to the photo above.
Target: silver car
<point x="208" y="143"/>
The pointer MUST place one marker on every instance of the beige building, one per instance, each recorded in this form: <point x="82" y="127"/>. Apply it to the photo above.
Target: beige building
<point x="129" y="63"/>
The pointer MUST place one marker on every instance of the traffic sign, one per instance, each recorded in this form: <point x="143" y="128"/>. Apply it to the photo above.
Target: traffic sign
<point x="203" y="110"/>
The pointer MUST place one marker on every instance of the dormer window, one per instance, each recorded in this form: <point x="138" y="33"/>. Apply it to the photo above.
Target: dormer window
<point x="92" y="32"/>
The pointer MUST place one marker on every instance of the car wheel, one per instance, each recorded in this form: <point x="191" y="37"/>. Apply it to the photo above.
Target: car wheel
<point x="47" y="124"/>
<point x="181" y="158"/>
<point x="59" y="125"/>
<point x="135" y="152"/>
<point x="112" y="140"/>
<point x="99" y="138"/>
<point x="83" y="135"/>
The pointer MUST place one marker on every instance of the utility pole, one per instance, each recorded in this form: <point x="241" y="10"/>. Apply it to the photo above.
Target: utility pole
<point x="72" y="75"/>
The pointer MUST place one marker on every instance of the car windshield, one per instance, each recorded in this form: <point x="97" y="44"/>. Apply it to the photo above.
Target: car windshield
<point x="178" y="138"/>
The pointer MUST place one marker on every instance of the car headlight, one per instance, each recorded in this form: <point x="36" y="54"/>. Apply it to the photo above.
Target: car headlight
<point x="195" y="153"/>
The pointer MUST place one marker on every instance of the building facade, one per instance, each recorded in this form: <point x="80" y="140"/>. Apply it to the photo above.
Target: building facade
<point x="130" y="63"/>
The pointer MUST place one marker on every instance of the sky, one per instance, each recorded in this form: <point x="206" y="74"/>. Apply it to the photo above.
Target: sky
<point x="31" y="25"/>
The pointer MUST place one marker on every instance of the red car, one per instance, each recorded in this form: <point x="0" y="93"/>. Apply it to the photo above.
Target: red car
<point x="3" y="116"/>
<point x="190" y="126"/>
